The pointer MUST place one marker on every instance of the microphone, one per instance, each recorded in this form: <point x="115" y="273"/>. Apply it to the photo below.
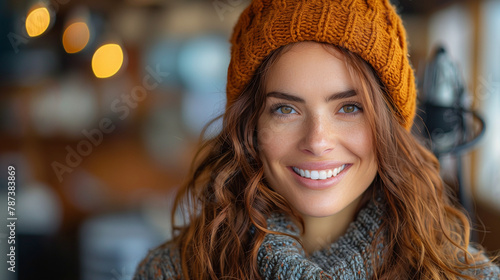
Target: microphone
<point x="450" y="125"/>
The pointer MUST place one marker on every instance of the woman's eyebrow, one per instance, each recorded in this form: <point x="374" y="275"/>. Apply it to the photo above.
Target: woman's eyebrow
<point x="286" y="96"/>
<point x="342" y="95"/>
<point x="336" y="96"/>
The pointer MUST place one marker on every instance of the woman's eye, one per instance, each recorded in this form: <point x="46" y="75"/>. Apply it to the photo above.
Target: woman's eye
<point x="349" y="109"/>
<point x="285" y="110"/>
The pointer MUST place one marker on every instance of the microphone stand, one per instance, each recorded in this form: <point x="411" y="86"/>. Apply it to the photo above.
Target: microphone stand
<point x="448" y="121"/>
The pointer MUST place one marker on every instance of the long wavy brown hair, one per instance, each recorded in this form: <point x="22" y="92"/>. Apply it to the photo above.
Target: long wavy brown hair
<point x="225" y="200"/>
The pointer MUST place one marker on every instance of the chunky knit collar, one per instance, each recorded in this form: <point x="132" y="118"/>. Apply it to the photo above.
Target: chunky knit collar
<point x="353" y="250"/>
<point x="350" y="257"/>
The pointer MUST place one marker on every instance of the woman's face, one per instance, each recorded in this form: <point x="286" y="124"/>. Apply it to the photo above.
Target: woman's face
<point x="314" y="140"/>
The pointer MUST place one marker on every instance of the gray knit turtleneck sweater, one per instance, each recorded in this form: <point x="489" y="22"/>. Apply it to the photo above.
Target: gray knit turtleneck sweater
<point x="349" y="257"/>
<point x="282" y="257"/>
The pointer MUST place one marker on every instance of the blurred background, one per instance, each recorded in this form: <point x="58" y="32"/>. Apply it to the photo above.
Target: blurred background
<point x="102" y="104"/>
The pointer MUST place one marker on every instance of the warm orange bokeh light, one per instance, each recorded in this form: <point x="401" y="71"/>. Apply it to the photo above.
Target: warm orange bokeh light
<point x="37" y="21"/>
<point x="75" y="37"/>
<point x="107" y="60"/>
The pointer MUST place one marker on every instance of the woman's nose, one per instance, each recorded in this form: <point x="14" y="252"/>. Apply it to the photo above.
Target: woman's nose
<point x="319" y="136"/>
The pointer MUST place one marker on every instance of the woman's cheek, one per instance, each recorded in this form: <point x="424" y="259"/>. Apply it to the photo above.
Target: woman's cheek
<point x="274" y="133"/>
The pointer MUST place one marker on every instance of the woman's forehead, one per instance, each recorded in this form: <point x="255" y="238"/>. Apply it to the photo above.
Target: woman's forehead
<point x="309" y="68"/>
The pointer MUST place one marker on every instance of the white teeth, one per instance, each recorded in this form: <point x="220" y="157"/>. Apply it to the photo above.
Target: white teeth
<point x="319" y="174"/>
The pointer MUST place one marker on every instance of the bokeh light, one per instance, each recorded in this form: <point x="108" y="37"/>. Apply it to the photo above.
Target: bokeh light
<point x="107" y="60"/>
<point x="37" y="21"/>
<point x="75" y="37"/>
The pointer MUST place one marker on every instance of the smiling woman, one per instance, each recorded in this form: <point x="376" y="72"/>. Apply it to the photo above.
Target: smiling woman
<point x="318" y="153"/>
<point x="314" y="174"/>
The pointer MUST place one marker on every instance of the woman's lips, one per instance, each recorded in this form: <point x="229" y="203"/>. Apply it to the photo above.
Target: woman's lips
<point x="319" y="174"/>
<point x="313" y="179"/>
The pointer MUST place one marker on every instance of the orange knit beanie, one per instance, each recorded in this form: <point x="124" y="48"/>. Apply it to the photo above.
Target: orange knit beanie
<point x="370" y="28"/>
